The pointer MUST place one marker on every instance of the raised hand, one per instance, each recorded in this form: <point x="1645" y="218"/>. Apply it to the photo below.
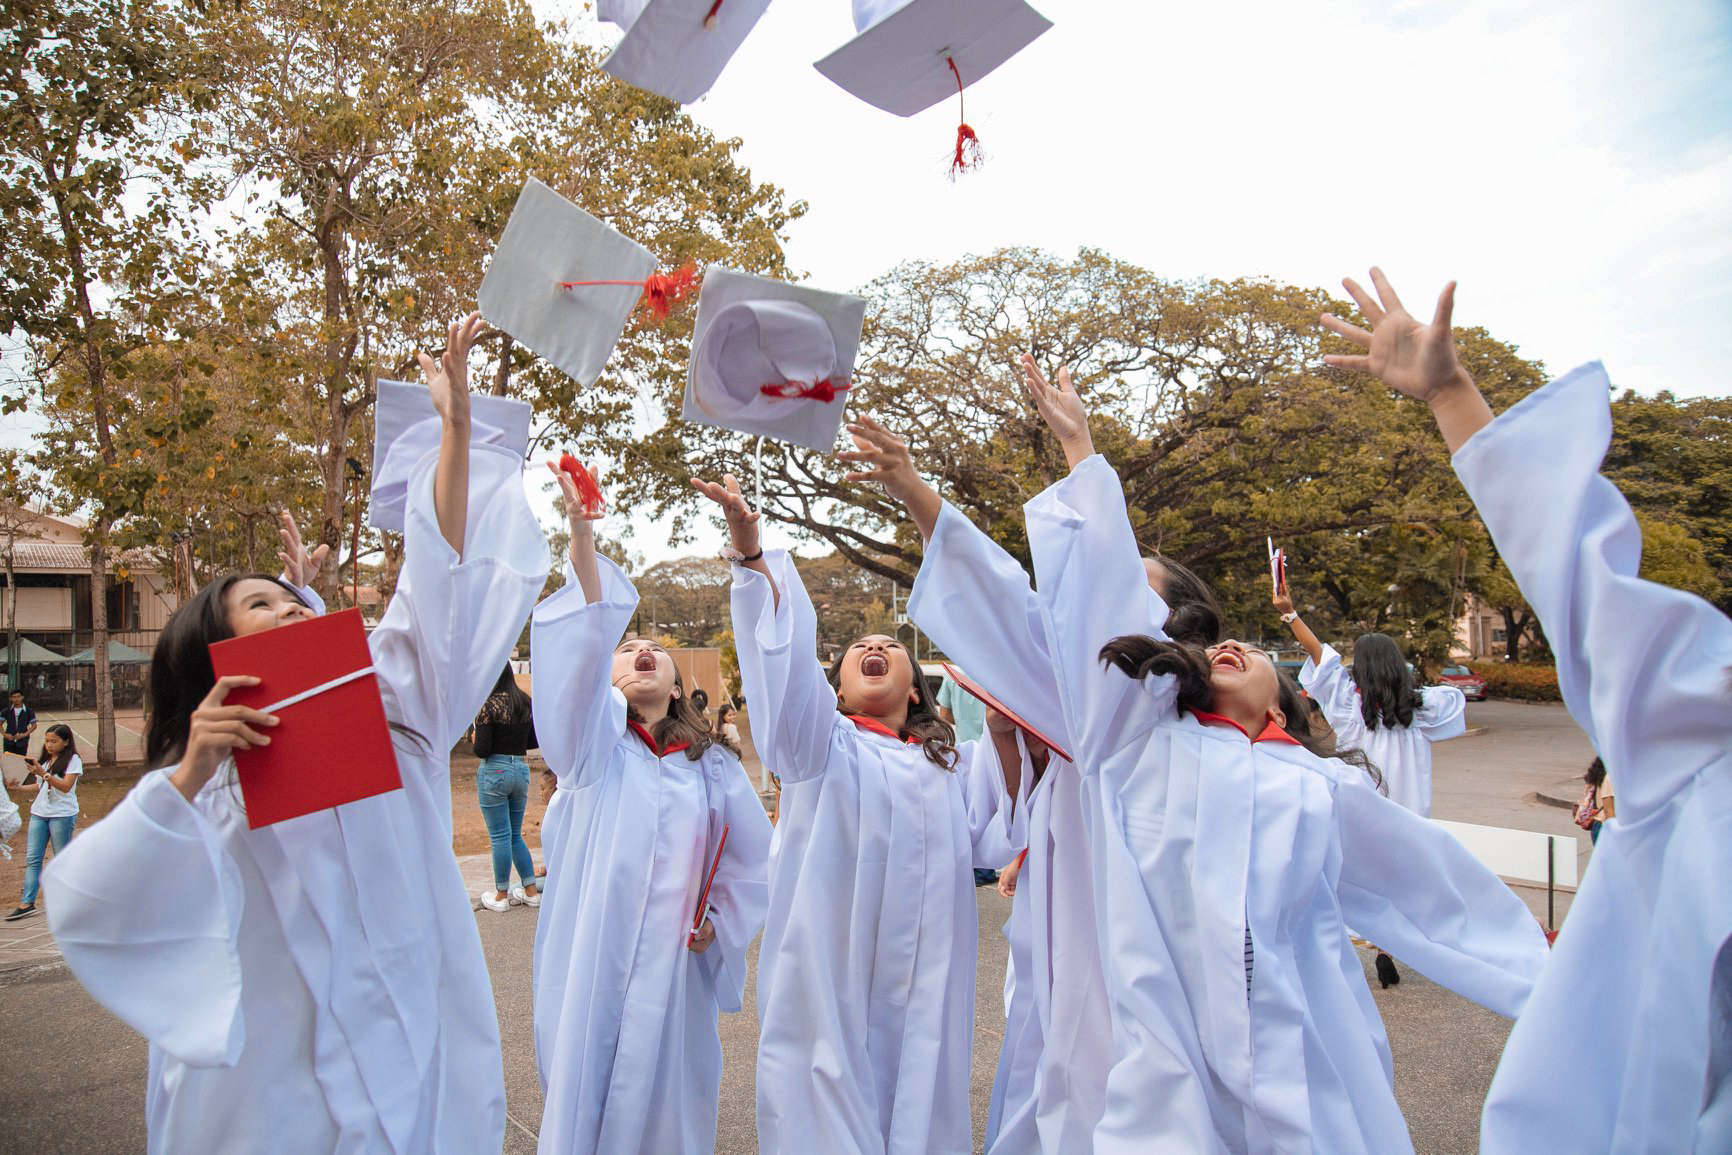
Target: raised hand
<point x="1061" y="409"/>
<point x="742" y="521"/>
<point x="576" y="515"/>
<point x="893" y="468"/>
<point x="299" y="566"/>
<point x="216" y="732"/>
<point x="1414" y="359"/>
<point x="1283" y="599"/>
<point x="448" y="377"/>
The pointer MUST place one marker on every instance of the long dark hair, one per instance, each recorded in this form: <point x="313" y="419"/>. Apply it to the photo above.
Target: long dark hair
<point x="1192" y="612"/>
<point x="937" y="737"/>
<point x="507" y="705"/>
<point x="1595" y="775"/>
<point x="180" y="670"/>
<point x="67" y="753"/>
<point x="683" y="722"/>
<point x="1140" y="657"/>
<point x="1387" y="696"/>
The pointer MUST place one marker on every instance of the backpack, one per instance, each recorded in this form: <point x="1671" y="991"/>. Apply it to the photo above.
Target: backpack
<point x="1584" y="812"/>
<point x="10" y="822"/>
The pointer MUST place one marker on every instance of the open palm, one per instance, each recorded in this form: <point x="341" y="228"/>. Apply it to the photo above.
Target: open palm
<point x="1410" y="357"/>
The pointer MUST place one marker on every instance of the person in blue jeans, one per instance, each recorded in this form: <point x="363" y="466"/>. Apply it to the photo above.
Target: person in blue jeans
<point x="54" y="810"/>
<point x="504" y="734"/>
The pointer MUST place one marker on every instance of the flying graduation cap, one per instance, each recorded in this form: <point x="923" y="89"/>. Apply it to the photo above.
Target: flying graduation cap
<point x="677" y="48"/>
<point x="772" y="359"/>
<point x="908" y="55"/>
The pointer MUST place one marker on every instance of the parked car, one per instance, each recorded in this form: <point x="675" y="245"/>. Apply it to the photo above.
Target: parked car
<point x="1471" y="685"/>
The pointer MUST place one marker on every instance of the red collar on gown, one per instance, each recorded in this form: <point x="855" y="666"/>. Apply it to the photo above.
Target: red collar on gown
<point x="1271" y="732"/>
<point x="878" y="727"/>
<point x="638" y="729"/>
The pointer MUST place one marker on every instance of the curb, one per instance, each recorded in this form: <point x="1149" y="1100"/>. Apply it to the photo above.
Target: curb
<point x="1564" y="795"/>
<point x="26" y="970"/>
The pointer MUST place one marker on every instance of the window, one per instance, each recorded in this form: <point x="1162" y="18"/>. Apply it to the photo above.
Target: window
<point x="1500" y="635"/>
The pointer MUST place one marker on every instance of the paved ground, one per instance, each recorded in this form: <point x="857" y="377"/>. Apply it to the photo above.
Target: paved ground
<point x="73" y="1079"/>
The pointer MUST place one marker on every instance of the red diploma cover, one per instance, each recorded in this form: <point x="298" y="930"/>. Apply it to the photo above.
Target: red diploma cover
<point x="979" y="691"/>
<point x="331" y="744"/>
<point x="704" y="894"/>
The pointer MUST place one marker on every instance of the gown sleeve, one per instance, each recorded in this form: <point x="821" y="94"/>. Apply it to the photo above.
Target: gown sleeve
<point x="453" y="620"/>
<point x="978" y="605"/>
<point x="793" y="708"/>
<point x="1409" y="886"/>
<point x="1645" y="669"/>
<point x="147" y="912"/>
<point x="997" y="829"/>
<point x="579" y="716"/>
<point x="1332" y="688"/>
<point x="1093" y="588"/>
<point x="740" y="897"/>
<point x="1442" y="713"/>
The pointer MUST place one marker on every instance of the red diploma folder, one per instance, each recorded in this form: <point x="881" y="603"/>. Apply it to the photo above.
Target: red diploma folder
<point x="979" y="691"/>
<point x="331" y="744"/>
<point x="704" y="894"/>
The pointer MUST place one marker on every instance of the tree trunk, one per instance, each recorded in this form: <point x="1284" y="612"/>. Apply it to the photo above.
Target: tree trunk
<point x="11" y="611"/>
<point x="1512" y="634"/>
<point x="105" y="752"/>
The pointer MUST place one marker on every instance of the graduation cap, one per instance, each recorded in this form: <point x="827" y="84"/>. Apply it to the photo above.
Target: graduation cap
<point x="563" y="283"/>
<point x="677" y="48"/>
<point x="910" y="54"/>
<point x="317" y="677"/>
<point x="406" y="428"/>
<point x="772" y="359"/>
<point x="980" y="692"/>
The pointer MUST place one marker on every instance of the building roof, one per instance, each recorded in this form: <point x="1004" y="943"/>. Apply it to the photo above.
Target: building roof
<point x="56" y="557"/>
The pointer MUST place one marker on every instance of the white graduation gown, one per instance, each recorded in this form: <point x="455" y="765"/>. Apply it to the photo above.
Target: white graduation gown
<point x="978" y="605"/>
<point x="1402" y="754"/>
<point x="1626" y="1044"/>
<point x="625" y="1016"/>
<point x="320" y="982"/>
<point x="866" y="971"/>
<point x="1210" y="836"/>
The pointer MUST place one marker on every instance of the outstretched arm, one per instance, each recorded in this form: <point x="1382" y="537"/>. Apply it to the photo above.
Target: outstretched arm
<point x="580" y="524"/>
<point x="1412" y="358"/>
<point x="1283" y="600"/>
<point x="1061" y="409"/>
<point x="448" y="382"/>
<point x="742" y="525"/>
<point x="893" y="468"/>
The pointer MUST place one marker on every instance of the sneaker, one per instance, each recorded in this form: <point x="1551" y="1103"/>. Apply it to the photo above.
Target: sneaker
<point x="492" y="903"/>
<point x="21" y="912"/>
<point x="520" y="898"/>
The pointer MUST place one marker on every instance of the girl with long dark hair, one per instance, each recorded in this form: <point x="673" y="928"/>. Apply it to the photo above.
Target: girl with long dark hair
<point x="626" y="991"/>
<point x="1376" y="708"/>
<point x="978" y="605"/>
<point x="317" y="984"/>
<point x="54" y="810"/>
<point x="1644" y="671"/>
<point x="1236" y="852"/>
<point x="866" y="972"/>
<point x="504" y="735"/>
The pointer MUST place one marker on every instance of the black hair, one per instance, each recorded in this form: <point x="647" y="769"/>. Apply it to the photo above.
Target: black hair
<point x="723" y="711"/>
<point x="700" y="701"/>
<point x="1192" y="612"/>
<point x="507" y="704"/>
<point x="67" y="753"/>
<point x="181" y="673"/>
<point x="1595" y="775"/>
<point x="683" y="722"/>
<point x="937" y="737"/>
<point x="1387" y="696"/>
<point x="1138" y="656"/>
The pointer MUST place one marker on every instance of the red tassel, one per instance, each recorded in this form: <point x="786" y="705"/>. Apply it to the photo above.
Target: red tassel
<point x="588" y="492"/>
<point x="710" y="16"/>
<point x="824" y="391"/>
<point x="663" y="289"/>
<point x="967" y="155"/>
<point x="660" y="290"/>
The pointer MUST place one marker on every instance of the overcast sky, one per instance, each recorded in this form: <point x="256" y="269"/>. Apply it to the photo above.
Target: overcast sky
<point x="1570" y="162"/>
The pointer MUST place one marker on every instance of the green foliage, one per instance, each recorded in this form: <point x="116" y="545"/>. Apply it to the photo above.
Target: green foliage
<point x="1520" y="681"/>
<point x="1672" y="459"/>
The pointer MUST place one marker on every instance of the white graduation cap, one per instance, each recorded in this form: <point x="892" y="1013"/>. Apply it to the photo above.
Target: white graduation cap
<point x="406" y="428"/>
<point x="911" y="54"/>
<point x="677" y="48"/>
<point x="772" y="359"/>
<point x="541" y="284"/>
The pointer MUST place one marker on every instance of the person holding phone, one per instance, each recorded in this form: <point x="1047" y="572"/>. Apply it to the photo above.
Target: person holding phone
<point x="53" y="812"/>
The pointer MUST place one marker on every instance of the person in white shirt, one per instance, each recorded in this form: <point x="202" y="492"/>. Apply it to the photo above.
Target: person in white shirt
<point x="54" y="810"/>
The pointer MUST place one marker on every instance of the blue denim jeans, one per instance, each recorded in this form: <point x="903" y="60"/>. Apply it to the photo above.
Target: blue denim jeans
<point x="36" y="842"/>
<point x="502" y="785"/>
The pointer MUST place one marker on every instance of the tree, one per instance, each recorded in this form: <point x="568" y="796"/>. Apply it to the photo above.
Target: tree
<point x="95" y="198"/>
<point x="23" y="489"/>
